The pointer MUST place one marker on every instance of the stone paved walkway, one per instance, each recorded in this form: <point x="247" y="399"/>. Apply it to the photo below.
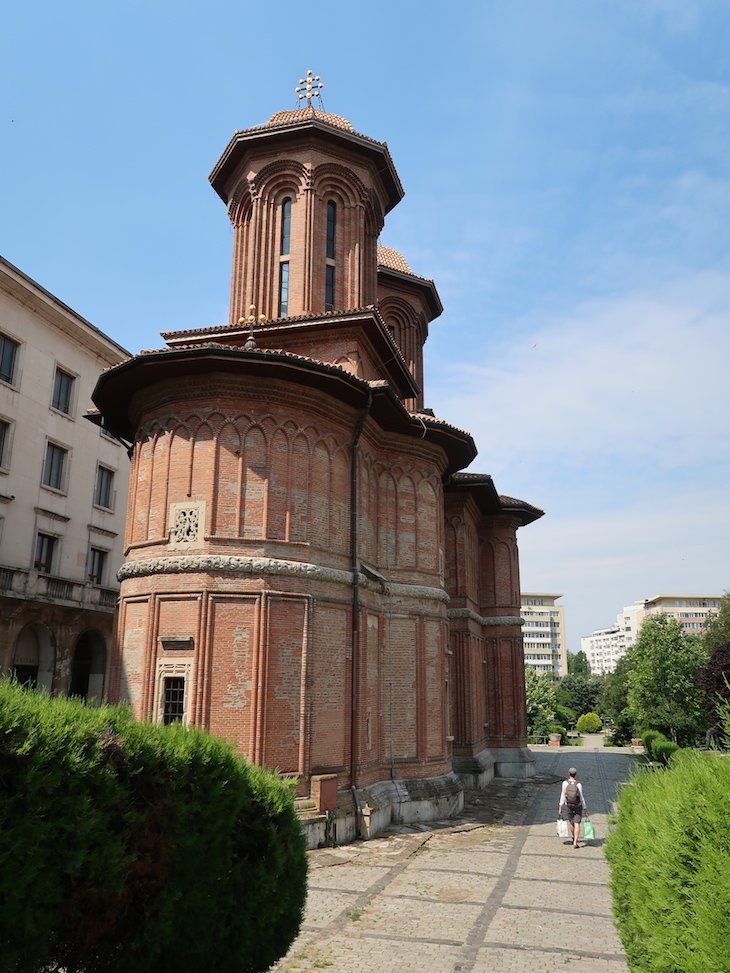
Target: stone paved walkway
<point x="494" y="891"/>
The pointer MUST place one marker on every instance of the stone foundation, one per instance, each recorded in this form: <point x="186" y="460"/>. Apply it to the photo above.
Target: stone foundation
<point x="380" y="806"/>
<point x="394" y="802"/>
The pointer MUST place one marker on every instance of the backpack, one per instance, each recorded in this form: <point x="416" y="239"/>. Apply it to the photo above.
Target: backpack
<point x="572" y="794"/>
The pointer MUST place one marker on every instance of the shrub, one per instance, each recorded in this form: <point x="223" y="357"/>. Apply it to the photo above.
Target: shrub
<point x="589" y="723"/>
<point x="648" y="739"/>
<point x="670" y="859"/>
<point x="128" y="846"/>
<point x="664" y="750"/>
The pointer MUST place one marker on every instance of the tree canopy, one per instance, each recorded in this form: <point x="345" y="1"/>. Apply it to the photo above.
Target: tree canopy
<point x="662" y="681"/>
<point x="578" y="664"/>
<point x="541" y="702"/>
<point x="579" y="692"/>
<point x="717" y="627"/>
<point x="613" y="701"/>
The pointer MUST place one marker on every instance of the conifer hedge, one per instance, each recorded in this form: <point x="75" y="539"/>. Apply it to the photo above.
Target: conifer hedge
<point x="131" y="847"/>
<point x="670" y="866"/>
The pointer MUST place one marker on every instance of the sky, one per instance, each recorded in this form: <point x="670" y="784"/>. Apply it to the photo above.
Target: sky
<point x="567" y="174"/>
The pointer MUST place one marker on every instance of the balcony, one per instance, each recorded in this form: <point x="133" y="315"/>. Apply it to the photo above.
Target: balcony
<point x="34" y="586"/>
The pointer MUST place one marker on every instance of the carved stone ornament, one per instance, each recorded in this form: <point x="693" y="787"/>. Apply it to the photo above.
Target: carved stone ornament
<point x="186" y="524"/>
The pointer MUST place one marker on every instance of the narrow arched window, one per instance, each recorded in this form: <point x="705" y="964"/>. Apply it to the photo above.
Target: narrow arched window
<point x="329" y="285"/>
<point x="284" y="245"/>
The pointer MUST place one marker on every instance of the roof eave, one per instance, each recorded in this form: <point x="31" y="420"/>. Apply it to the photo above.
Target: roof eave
<point x="378" y="151"/>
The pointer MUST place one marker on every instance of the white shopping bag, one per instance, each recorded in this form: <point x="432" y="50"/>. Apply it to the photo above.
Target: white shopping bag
<point x="562" y="828"/>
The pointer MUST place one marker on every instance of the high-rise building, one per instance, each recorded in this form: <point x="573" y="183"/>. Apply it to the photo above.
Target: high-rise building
<point x="63" y="494"/>
<point x="604" y="647"/>
<point x="543" y="633"/>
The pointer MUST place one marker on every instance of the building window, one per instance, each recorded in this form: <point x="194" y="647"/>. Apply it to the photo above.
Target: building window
<point x="5" y="430"/>
<point x="45" y="547"/>
<point x="97" y="563"/>
<point x="173" y="701"/>
<point x="283" y="289"/>
<point x="104" y="492"/>
<point x="329" y="283"/>
<point x="284" y="247"/>
<point x="8" y="359"/>
<point x="62" y="390"/>
<point x="54" y="468"/>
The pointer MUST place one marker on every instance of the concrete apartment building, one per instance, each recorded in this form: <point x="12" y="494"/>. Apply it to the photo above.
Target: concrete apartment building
<point x="604" y="647"/>
<point x="543" y="633"/>
<point x="63" y="494"/>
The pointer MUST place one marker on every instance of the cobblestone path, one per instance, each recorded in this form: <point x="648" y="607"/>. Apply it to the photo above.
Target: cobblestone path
<point x="494" y="891"/>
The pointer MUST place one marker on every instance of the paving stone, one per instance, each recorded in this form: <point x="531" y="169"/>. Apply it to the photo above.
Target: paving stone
<point x="493" y="891"/>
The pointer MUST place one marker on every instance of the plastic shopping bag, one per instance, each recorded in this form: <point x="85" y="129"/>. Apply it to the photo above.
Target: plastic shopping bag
<point x="562" y="828"/>
<point x="588" y="832"/>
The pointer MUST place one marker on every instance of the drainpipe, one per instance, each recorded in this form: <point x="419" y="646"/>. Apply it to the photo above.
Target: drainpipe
<point x="355" y="633"/>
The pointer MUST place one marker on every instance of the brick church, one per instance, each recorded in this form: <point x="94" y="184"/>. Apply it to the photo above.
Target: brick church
<point x="308" y="573"/>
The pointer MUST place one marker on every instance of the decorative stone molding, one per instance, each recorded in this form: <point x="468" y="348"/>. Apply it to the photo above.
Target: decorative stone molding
<point x="182" y="669"/>
<point x="473" y="616"/>
<point x="238" y="564"/>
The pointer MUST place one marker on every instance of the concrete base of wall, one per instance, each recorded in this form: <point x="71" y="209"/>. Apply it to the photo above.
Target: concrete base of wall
<point x="515" y="762"/>
<point x="407" y="802"/>
<point x="475" y="773"/>
<point x="381" y="805"/>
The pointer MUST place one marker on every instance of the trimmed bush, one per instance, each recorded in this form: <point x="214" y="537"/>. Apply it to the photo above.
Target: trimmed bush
<point x="664" y="750"/>
<point x="648" y="739"/>
<point x="589" y="723"/>
<point x="127" y="846"/>
<point x="670" y="866"/>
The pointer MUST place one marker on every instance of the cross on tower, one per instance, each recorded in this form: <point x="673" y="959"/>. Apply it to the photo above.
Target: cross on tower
<point x="309" y="87"/>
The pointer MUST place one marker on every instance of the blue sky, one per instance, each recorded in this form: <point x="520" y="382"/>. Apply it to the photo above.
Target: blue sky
<point x="567" y="188"/>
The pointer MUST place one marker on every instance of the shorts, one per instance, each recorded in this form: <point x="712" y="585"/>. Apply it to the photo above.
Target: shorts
<point x="575" y="813"/>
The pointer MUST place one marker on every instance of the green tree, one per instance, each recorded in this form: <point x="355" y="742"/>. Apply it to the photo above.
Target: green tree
<point x="662" y="682"/>
<point x="578" y="664"/>
<point x="717" y="628"/>
<point x="579" y="693"/>
<point x="541" y="702"/>
<point x="613" y="701"/>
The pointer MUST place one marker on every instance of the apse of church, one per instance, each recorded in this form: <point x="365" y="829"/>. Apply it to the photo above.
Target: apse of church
<point x="308" y="573"/>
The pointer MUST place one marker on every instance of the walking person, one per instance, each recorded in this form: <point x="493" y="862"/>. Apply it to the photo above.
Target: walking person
<point x="572" y="797"/>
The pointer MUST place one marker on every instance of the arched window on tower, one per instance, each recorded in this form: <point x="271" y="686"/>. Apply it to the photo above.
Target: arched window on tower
<point x="329" y="285"/>
<point x="284" y="246"/>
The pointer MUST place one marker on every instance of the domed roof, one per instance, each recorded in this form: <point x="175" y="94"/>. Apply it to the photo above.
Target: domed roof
<point x="390" y="258"/>
<point x="290" y="116"/>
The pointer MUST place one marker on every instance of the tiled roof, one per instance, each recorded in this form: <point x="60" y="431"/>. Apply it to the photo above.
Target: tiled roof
<point x="290" y="116"/>
<point x="268" y="352"/>
<point x="282" y="119"/>
<point x="436" y="421"/>
<point x="388" y="257"/>
<point x="261" y="325"/>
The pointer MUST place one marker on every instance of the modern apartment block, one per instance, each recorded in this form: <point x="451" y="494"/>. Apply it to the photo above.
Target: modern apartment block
<point x="63" y="494"/>
<point x="606" y="646"/>
<point x="543" y="633"/>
